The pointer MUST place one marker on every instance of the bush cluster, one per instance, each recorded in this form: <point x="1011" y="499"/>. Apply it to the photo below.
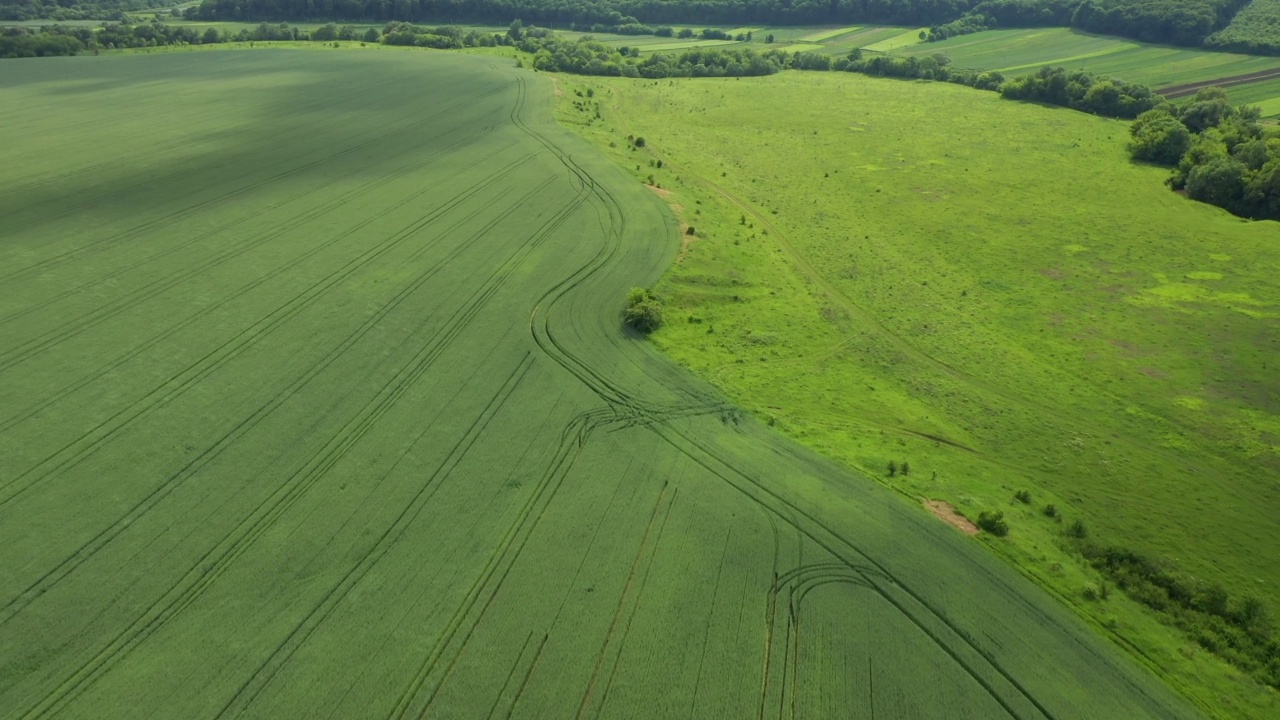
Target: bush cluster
<point x="1084" y="91"/>
<point x="1220" y="153"/>
<point x="993" y="522"/>
<point x="1240" y="631"/>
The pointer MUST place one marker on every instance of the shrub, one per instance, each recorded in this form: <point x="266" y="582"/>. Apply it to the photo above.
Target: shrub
<point x="1078" y="530"/>
<point x="643" y="311"/>
<point x="1051" y="510"/>
<point x="993" y="522"/>
<point x="639" y="142"/>
<point x="1023" y="496"/>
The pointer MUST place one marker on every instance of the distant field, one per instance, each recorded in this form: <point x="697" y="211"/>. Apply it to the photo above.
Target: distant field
<point x="315" y="402"/>
<point x="897" y="42"/>
<point x="1025" y="51"/>
<point x="828" y="34"/>
<point x="991" y="291"/>
<point x="799" y="47"/>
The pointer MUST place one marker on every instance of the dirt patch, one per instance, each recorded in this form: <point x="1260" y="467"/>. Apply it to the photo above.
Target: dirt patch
<point x="555" y="87"/>
<point x="660" y="192"/>
<point x="1127" y="349"/>
<point x="1154" y="373"/>
<point x="1052" y="273"/>
<point x="942" y="510"/>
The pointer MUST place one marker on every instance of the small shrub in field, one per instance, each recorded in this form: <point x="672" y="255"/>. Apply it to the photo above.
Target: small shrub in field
<point x="1023" y="496"/>
<point x="906" y="468"/>
<point x="639" y="142"/>
<point x="643" y="311"/>
<point x="993" y="522"/>
<point x="1051" y="510"/>
<point x="893" y="468"/>
<point x="1078" y="530"/>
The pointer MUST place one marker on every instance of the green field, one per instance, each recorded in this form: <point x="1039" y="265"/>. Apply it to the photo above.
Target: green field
<point x="897" y="42"/>
<point x="991" y="291"/>
<point x="829" y="34"/>
<point x="316" y="403"/>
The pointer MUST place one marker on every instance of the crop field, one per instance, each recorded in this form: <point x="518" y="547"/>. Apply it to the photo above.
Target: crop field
<point x="897" y="42"/>
<point x="316" y="403"/>
<point x="990" y="291"/>
<point x="830" y="34"/>
<point x="1019" y="52"/>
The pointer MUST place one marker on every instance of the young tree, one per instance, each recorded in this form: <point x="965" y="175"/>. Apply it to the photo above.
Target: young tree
<point x="643" y="311"/>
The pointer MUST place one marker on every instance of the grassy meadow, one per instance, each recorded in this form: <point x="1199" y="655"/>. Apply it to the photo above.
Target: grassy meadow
<point x="316" y="403"/>
<point x="990" y="292"/>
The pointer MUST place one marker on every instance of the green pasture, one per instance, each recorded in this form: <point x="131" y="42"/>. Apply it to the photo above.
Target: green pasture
<point x="992" y="292"/>
<point x="316" y="402"/>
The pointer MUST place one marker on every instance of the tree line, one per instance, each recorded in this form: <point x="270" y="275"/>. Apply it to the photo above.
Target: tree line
<point x="1177" y="22"/>
<point x="1182" y="22"/>
<point x="75" y="9"/>
<point x="22" y="42"/>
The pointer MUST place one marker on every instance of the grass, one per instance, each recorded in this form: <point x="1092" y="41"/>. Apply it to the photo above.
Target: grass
<point x="996" y="295"/>
<point x="316" y="401"/>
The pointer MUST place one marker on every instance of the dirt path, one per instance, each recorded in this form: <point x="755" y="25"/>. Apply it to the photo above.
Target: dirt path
<point x="1186" y="89"/>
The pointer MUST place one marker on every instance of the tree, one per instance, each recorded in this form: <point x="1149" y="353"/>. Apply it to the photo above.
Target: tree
<point x="325" y="33"/>
<point x="1263" y="191"/>
<point x="515" y="31"/>
<point x="210" y="37"/>
<point x="768" y="38"/>
<point x="643" y="311"/>
<point x="1219" y="182"/>
<point x="1158" y="137"/>
<point x="371" y="35"/>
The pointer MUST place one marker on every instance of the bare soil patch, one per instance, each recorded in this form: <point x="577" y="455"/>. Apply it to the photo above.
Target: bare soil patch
<point x="942" y="510"/>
